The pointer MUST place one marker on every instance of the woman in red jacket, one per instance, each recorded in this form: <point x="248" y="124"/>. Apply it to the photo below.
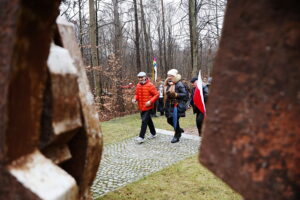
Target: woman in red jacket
<point x="146" y="95"/>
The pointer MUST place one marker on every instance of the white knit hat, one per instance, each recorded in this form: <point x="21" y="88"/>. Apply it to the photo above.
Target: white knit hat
<point x="141" y="74"/>
<point x="173" y="72"/>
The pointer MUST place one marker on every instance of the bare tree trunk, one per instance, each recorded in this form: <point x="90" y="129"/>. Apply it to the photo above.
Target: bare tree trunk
<point x="117" y="50"/>
<point x="80" y="36"/>
<point x="117" y="30"/>
<point x="163" y="70"/>
<point x="95" y="59"/>
<point x="142" y="50"/>
<point x="93" y="36"/>
<point x="146" y="38"/>
<point x="150" y="43"/>
<point x="137" y="38"/>
<point x="164" y="37"/>
<point x="151" y="53"/>
<point x="193" y="36"/>
<point x="97" y="32"/>
<point x="201" y="56"/>
<point x="80" y="26"/>
<point x="170" y="48"/>
<point x="217" y="21"/>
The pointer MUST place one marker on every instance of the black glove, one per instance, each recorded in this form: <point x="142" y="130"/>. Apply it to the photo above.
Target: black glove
<point x="172" y="95"/>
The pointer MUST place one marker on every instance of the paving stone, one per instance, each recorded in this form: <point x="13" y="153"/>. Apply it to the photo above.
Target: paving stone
<point x="127" y="161"/>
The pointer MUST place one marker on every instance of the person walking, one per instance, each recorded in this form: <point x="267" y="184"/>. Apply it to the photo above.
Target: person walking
<point x="145" y="95"/>
<point x="175" y="102"/>
<point x="161" y="99"/>
<point x="199" y="114"/>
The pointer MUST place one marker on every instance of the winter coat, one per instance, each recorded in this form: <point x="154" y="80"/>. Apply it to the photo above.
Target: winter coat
<point x="205" y="95"/>
<point x="144" y="93"/>
<point x="180" y="100"/>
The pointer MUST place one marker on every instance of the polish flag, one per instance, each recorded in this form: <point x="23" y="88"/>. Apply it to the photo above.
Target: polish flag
<point x="198" y="96"/>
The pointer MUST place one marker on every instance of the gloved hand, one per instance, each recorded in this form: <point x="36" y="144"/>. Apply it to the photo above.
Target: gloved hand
<point x="172" y="94"/>
<point x="148" y="103"/>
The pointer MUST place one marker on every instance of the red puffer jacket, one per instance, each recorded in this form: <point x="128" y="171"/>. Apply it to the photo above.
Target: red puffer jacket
<point x="144" y="93"/>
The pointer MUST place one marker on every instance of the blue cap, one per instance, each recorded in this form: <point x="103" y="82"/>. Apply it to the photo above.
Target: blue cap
<point x="194" y="79"/>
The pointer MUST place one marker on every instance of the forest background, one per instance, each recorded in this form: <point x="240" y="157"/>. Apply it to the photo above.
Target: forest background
<point x="119" y="38"/>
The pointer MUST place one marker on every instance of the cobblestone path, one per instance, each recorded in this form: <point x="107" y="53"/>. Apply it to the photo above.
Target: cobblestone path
<point x="127" y="161"/>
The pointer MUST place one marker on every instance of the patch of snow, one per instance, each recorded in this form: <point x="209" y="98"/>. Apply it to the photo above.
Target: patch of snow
<point x="60" y="61"/>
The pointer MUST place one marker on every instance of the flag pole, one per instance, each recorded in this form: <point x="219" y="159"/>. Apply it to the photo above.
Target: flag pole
<point x="153" y="74"/>
<point x="154" y="69"/>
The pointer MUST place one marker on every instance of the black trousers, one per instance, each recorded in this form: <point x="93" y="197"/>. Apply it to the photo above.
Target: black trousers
<point x="178" y="129"/>
<point x="199" y="121"/>
<point x="160" y="106"/>
<point x="153" y="111"/>
<point x="146" y="121"/>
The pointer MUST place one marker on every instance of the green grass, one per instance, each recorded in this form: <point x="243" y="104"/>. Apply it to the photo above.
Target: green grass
<point x="129" y="126"/>
<point x="185" y="180"/>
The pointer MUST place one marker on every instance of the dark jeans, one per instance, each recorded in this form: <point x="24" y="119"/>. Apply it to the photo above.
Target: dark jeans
<point x="153" y="111"/>
<point x="146" y="120"/>
<point x="178" y="129"/>
<point x="199" y="121"/>
<point x="160" y="106"/>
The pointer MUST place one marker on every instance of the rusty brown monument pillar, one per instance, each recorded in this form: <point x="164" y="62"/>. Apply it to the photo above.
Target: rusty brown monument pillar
<point x="50" y="138"/>
<point x="252" y="134"/>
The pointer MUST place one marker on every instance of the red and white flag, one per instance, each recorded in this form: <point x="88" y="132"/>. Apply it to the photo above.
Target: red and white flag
<point x="198" y="96"/>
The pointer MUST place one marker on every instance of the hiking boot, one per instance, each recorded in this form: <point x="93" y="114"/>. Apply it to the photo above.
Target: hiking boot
<point x="181" y="130"/>
<point x="140" y="140"/>
<point x="152" y="136"/>
<point x="174" y="140"/>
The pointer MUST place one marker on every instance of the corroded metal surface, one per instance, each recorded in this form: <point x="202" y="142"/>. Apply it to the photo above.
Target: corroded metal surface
<point x="24" y="67"/>
<point x="61" y="109"/>
<point x="252" y="134"/>
<point x="49" y="129"/>
<point x="86" y="163"/>
<point x="7" y="39"/>
<point x="22" y="77"/>
<point x="43" y="178"/>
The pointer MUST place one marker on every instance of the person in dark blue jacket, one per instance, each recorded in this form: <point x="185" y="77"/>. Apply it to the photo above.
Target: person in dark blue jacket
<point x="199" y="114"/>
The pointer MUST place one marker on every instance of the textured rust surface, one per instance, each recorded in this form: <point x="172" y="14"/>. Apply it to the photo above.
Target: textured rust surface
<point x="75" y="166"/>
<point x="66" y="102"/>
<point x="41" y="110"/>
<point x="252" y="135"/>
<point x="8" y="29"/>
<point x="61" y="109"/>
<point x="89" y="139"/>
<point x="24" y="67"/>
<point x="58" y="154"/>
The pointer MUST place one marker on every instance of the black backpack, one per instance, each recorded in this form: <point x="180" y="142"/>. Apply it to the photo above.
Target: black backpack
<point x="188" y="91"/>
